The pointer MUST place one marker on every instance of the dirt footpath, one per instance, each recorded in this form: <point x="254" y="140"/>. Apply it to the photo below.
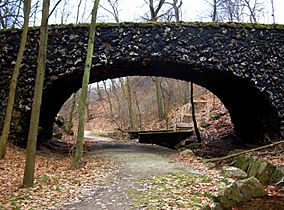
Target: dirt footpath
<point x="135" y="162"/>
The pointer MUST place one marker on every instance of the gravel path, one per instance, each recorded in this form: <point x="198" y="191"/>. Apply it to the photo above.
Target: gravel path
<point x="134" y="162"/>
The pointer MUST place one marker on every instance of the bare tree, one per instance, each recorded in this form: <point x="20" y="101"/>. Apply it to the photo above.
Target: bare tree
<point x="78" y="11"/>
<point x="78" y="150"/>
<point x="173" y="10"/>
<point x="154" y="10"/>
<point x="255" y="9"/>
<point x="126" y="86"/>
<point x="33" y="131"/>
<point x="11" y="13"/>
<point x="236" y="10"/>
<point x="272" y="11"/>
<point x="197" y="133"/>
<point x="114" y="11"/>
<point x="34" y="11"/>
<point x="13" y="82"/>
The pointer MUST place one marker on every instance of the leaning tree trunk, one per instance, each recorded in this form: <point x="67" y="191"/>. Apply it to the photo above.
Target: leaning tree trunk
<point x="13" y="82"/>
<point x="33" y="130"/>
<point x="78" y="150"/>
<point x="193" y="114"/>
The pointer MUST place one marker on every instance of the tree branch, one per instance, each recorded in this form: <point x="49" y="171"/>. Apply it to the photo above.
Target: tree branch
<point x="243" y="152"/>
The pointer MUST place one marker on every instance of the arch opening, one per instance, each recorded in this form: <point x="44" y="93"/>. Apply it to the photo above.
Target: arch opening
<point x="251" y="113"/>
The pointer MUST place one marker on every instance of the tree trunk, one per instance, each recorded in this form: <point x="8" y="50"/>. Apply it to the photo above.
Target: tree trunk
<point x="160" y="99"/>
<point x="126" y="88"/>
<point x="273" y="11"/>
<point x="214" y="15"/>
<point x="185" y="92"/>
<point x="33" y="130"/>
<point x="109" y="100"/>
<point x="132" y="114"/>
<point x="138" y="109"/>
<point x="13" y="82"/>
<point x="193" y="114"/>
<point x="71" y="114"/>
<point x="78" y="150"/>
<point x="88" y="103"/>
<point x="114" y="90"/>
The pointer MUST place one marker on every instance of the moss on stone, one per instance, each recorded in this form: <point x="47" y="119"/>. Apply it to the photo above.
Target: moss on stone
<point x="162" y="24"/>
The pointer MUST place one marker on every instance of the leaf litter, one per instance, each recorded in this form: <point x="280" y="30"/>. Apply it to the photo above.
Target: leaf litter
<point x="55" y="183"/>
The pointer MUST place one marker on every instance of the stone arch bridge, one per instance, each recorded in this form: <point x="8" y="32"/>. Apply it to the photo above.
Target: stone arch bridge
<point x="243" y="64"/>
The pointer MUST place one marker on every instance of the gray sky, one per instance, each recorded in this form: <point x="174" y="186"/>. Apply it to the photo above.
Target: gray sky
<point x="133" y="10"/>
<point x="193" y="10"/>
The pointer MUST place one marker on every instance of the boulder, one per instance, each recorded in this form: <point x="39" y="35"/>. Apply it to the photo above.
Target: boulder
<point x="251" y="188"/>
<point x="187" y="152"/>
<point x="233" y="172"/>
<point x="230" y="196"/>
<point x="240" y="191"/>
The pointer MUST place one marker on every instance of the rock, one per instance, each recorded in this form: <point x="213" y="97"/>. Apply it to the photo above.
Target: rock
<point x="280" y="183"/>
<point x="233" y="172"/>
<point x="59" y="120"/>
<point x="214" y="206"/>
<point x="210" y="165"/>
<point x="251" y="188"/>
<point x="254" y="165"/>
<point x="230" y="196"/>
<point x="240" y="191"/>
<point x="241" y="162"/>
<point x="57" y="135"/>
<point x="205" y="124"/>
<point x="277" y="175"/>
<point x="193" y="145"/>
<point x="264" y="172"/>
<point x="187" y="152"/>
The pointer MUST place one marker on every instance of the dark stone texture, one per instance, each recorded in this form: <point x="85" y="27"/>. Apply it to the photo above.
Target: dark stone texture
<point x="241" y="63"/>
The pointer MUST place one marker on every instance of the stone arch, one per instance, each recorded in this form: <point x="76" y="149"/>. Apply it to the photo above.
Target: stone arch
<point x="240" y="63"/>
<point x="251" y="113"/>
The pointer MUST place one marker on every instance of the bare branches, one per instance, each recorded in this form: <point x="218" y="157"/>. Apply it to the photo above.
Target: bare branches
<point x="57" y="3"/>
<point x="114" y="9"/>
<point x="11" y="13"/>
<point x="236" y="10"/>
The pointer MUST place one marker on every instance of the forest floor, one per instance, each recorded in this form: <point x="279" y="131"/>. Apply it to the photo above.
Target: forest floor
<point x="118" y="175"/>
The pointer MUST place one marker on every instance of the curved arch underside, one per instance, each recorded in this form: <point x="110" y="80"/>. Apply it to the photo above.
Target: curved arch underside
<point x="251" y="113"/>
<point x="240" y="63"/>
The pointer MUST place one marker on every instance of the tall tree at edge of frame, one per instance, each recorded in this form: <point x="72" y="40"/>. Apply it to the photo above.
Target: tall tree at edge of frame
<point x="33" y="130"/>
<point x="78" y="150"/>
<point x="13" y="82"/>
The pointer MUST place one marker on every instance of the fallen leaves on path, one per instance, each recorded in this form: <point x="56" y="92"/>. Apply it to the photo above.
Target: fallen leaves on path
<point x="55" y="183"/>
<point x="192" y="190"/>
